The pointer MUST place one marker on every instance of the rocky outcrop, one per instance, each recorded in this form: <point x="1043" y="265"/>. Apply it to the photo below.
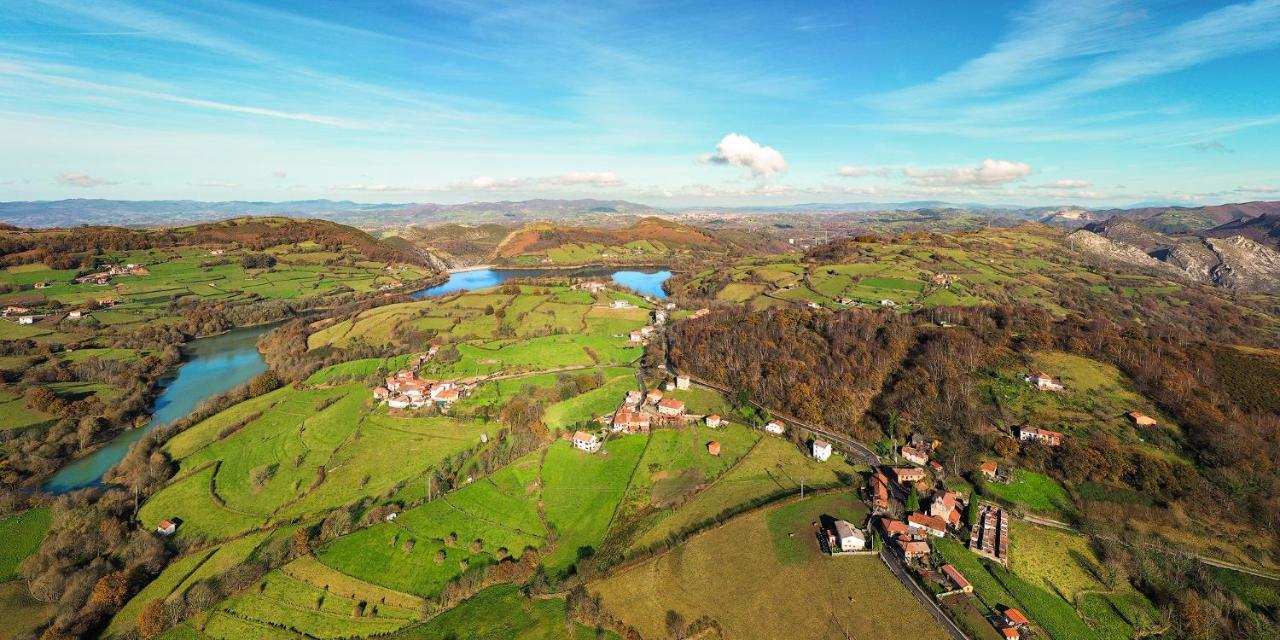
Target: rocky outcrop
<point x="1107" y="249"/>
<point x="1245" y="264"/>
<point x="1233" y="263"/>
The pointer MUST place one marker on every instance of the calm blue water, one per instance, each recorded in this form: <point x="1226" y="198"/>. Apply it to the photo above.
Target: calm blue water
<point x="646" y="282"/>
<point x="215" y="365"/>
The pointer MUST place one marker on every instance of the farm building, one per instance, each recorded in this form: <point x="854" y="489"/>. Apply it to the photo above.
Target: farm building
<point x="821" y="450"/>
<point x="914" y="455"/>
<point x="167" y="527"/>
<point x="1043" y="436"/>
<point x="775" y="427"/>
<point x="1142" y="419"/>
<point x="670" y="407"/>
<point x="847" y="537"/>
<point x="957" y="579"/>
<point x="682" y="382"/>
<point x="927" y="524"/>
<point x="620" y="304"/>
<point x="77" y="313"/>
<point x="713" y="421"/>
<point x="1044" y="381"/>
<point x="654" y="396"/>
<point x="27" y="320"/>
<point x="636" y="336"/>
<point x="908" y="475"/>
<point x="588" y="442"/>
<point x="381" y="393"/>
<point x="713" y="448"/>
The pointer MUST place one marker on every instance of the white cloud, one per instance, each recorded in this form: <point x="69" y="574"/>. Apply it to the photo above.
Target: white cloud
<point x="371" y="187"/>
<point x="852" y="172"/>
<point x="741" y="151"/>
<point x="489" y="183"/>
<point x="1259" y="189"/>
<point x="589" y="179"/>
<point x="989" y="173"/>
<point x="82" y="180"/>
<point x="1068" y="184"/>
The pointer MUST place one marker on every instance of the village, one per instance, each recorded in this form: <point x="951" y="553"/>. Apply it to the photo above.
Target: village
<point x="911" y="504"/>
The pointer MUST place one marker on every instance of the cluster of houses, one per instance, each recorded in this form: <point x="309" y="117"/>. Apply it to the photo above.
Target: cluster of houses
<point x="1046" y="437"/>
<point x="112" y="270"/>
<point x="640" y="411"/>
<point x="406" y="390"/>
<point x="642" y="335"/>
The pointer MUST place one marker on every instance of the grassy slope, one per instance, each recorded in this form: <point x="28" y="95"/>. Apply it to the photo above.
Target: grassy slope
<point x="733" y="574"/>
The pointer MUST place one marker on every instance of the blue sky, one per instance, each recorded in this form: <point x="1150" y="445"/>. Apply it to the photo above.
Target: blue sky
<point x="1091" y="102"/>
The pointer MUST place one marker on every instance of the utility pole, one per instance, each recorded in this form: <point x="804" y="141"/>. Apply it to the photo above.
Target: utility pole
<point x="802" y="487"/>
<point x="430" y="486"/>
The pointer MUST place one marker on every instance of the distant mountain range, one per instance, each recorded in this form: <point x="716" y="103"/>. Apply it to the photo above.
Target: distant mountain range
<point x="1255" y="220"/>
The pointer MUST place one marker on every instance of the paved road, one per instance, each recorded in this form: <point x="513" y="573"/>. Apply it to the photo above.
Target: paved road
<point x="896" y="565"/>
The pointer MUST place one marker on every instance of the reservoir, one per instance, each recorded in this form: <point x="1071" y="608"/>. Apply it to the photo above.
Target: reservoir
<point x="215" y="365"/>
<point x="647" y="283"/>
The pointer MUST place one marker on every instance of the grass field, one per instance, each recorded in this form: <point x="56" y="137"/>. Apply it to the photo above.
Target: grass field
<point x="500" y="510"/>
<point x="580" y="492"/>
<point x="732" y="574"/>
<point x="773" y="467"/>
<point x="20" y="536"/>
<point x="1027" y="587"/>
<point x="1034" y="491"/>
<point x="501" y="613"/>
<point x="18" y="610"/>
<point x="791" y="525"/>
<point x="289" y="460"/>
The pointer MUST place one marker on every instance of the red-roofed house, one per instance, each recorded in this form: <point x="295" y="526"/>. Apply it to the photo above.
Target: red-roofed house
<point x="945" y="506"/>
<point x="879" y="490"/>
<point x="957" y="578"/>
<point x="894" y="527"/>
<point x="908" y="475"/>
<point x="929" y="524"/>
<point x="630" y="421"/>
<point x="670" y="407"/>
<point x="1015" y="618"/>
<point x="653" y="396"/>
<point x="775" y="428"/>
<point x="166" y="527"/>
<point x="713" y="448"/>
<point x="913" y="548"/>
<point x="988" y="469"/>
<point x="713" y="421"/>
<point x="915" y="456"/>
<point x="1010" y="633"/>
<point x="381" y="393"/>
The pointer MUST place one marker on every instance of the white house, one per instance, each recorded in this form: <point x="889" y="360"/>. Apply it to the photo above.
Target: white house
<point x="76" y="313"/>
<point x="914" y="455"/>
<point x="849" y="537"/>
<point x="166" y="527"/>
<point x="713" y="421"/>
<point x="398" y="402"/>
<point x="588" y="442"/>
<point x="620" y="304"/>
<point x="888" y="303"/>
<point x="1044" y="381"/>
<point x="682" y="382"/>
<point x="27" y="320"/>
<point x="775" y="428"/>
<point x="822" y="450"/>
